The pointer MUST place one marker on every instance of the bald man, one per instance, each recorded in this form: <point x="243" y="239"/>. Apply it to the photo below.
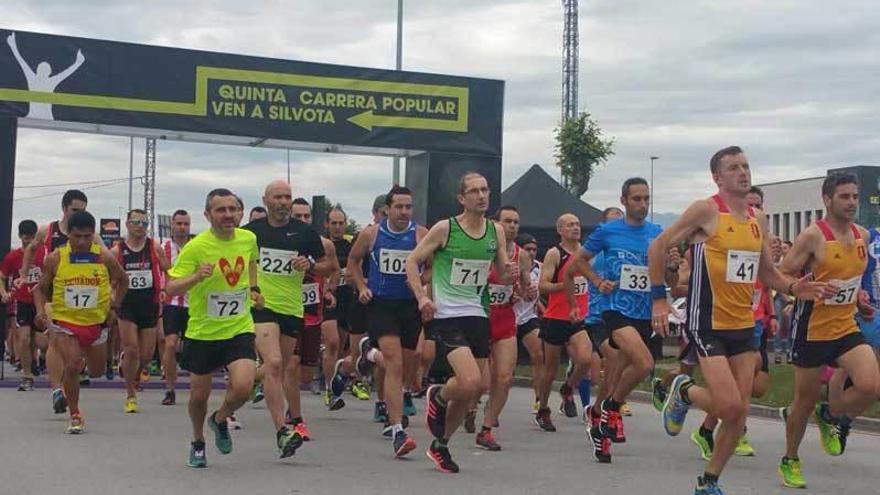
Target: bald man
<point x="287" y="249"/>
<point x="558" y="329"/>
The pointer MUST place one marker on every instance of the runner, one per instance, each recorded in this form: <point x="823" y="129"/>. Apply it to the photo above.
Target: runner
<point x="50" y="237"/>
<point x="288" y="248"/>
<point x="557" y="330"/>
<point x="358" y="326"/>
<point x="218" y="271"/>
<point x="832" y="250"/>
<point x="77" y="279"/>
<point x="316" y="295"/>
<point x="730" y="252"/>
<point x="463" y="249"/>
<point x="138" y="315"/>
<point x="336" y="318"/>
<point x="528" y="311"/>
<point x="21" y="299"/>
<point x="624" y="280"/>
<point x="256" y="213"/>
<point x="393" y="315"/>
<point x="502" y="322"/>
<point x="176" y="310"/>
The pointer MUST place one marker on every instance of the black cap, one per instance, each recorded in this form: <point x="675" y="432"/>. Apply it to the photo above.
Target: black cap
<point x="523" y="239"/>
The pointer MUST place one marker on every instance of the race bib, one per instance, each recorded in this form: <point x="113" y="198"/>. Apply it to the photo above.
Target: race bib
<point x="581" y="286"/>
<point x="33" y="275"/>
<point x="140" y="279"/>
<point x="226" y="304"/>
<point x="393" y="261"/>
<point x="742" y="266"/>
<point x="277" y="261"/>
<point x="310" y="294"/>
<point x="635" y="278"/>
<point x="500" y="294"/>
<point x="846" y="294"/>
<point x="470" y="273"/>
<point x="81" y="297"/>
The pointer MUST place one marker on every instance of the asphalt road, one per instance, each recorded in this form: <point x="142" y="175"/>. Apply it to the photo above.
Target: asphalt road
<point x="144" y="453"/>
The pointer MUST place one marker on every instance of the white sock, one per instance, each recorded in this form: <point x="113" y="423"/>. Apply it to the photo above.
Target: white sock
<point x="371" y="355"/>
<point x="395" y="429"/>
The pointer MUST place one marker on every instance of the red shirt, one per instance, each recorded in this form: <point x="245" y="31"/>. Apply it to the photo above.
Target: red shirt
<point x="10" y="266"/>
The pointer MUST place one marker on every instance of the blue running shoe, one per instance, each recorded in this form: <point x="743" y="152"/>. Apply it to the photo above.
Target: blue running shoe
<point x="409" y="409"/>
<point x="707" y="487"/>
<point x="675" y="409"/>
<point x="338" y="382"/>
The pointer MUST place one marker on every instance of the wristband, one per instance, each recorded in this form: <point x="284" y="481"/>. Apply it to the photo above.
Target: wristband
<point x="256" y="288"/>
<point x="658" y="292"/>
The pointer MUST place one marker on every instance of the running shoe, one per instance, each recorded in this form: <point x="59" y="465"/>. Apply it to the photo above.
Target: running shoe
<point x="403" y="444"/>
<point x="59" y="402"/>
<point x="360" y="390"/>
<point x="222" y="438"/>
<point x="108" y="372"/>
<point x="470" y="421"/>
<point x="409" y="408"/>
<point x="567" y="406"/>
<point x="601" y="445"/>
<point x="435" y="415"/>
<point x="705" y="487"/>
<point x="611" y="424"/>
<point x="303" y="429"/>
<point x="790" y="471"/>
<point x="26" y="385"/>
<point x="197" y="455"/>
<point x="233" y="422"/>
<point x="337" y="384"/>
<point x="625" y="410"/>
<point x="76" y="424"/>
<point x="827" y="431"/>
<point x="131" y="405"/>
<point x="380" y="412"/>
<point x="257" y="394"/>
<point x="388" y="430"/>
<point x="705" y="442"/>
<point x="593" y="418"/>
<point x="486" y="440"/>
<point x="439" y="453"/>
<point x="145" y="376"/>
<point x="288" y="440"/>
<point x="84" y="380"/>
<point x="658" y="394"/>
<point x="170" y="398"/>
<point x="333" y="402"/>
<point x="675" y="409"/>
<point x="542" y="419"/>
<point x="155" y="369"/>
<point x="536" y="405"/>
<point x="364" y="366"/>
<point x="315" y="386"/>
<point x="743" y="447"/>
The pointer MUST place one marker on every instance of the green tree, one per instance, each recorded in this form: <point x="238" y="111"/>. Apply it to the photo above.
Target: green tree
<point x="580" y="148"/>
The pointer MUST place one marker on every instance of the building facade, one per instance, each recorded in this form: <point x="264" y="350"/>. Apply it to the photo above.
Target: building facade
<point x="792" y="205"/>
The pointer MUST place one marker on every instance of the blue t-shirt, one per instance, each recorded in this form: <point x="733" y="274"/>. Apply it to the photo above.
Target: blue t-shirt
<point x="871" y="277"/>
<point x="626" y="252"/>
<point x="598" y="301"/>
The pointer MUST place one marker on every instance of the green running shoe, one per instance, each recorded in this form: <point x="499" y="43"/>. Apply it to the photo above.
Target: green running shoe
<point x="743" y="447"/>
<point x="197" y="455"/>
<point x="658" y="394"/>
<point x="706" y="445"/>
<point x="790" y="471"/>
<point x="359" y="389"/>
<point x="222" y="438"/>
<point x="827" y="433"/>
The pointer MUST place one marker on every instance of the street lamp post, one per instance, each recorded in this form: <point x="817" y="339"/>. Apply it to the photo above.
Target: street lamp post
<point x="652" y="186"/>
<point x="398" y="66"/>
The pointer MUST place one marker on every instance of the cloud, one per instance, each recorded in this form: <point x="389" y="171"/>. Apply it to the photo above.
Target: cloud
<point x="792" y="82"/>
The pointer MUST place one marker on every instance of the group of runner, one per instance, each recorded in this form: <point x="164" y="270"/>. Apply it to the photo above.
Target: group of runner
<point x="275" y="305"/>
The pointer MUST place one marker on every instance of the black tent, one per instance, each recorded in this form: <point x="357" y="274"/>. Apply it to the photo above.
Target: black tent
<point x="540" y="200"/>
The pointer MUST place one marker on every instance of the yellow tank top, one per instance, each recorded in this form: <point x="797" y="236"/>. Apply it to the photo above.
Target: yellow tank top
<point x="81" y="288"/>
<point x="725" y="265"/>
<point x="833" y="318"/>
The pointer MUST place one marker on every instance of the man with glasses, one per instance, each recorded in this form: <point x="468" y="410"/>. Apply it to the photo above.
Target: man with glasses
<point x="144" y="263"/>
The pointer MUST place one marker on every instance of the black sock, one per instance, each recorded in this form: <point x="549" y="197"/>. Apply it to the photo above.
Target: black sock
<point x="612" y="404"/>
<point x="683" y="391"/>
<point x="707" y="478"/>
<point x="825" y="413"/>
<point x="486" y="429"/>
<point x="297" y="420"/>
<point x="706" y="432"/>
<point x="786" y="458"/>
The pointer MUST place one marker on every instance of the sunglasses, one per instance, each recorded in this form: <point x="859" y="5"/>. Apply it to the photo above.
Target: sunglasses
<point x="140" y="223"/>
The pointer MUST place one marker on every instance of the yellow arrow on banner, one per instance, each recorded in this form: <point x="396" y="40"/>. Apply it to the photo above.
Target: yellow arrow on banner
<point x="199" y="108"/>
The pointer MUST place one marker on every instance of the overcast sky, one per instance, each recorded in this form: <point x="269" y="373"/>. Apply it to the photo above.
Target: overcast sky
<point x="794" y="82"/>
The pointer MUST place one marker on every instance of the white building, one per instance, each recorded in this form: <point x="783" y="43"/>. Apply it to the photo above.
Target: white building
<point x="792" y="205"/>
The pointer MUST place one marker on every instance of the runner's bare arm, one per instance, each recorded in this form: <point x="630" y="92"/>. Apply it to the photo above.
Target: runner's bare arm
<point x="31" y="250"/>
<point x="580" y="265"/>
<point x="501" y="260"/>
<point x="801" y="254"/>
<point x="334" y="270"/>
<point x="525" y="265"/>
<point x="434" y="240"/>
<point x="118" y="277"/>
<point x="696" y="219"/>
<point x="545" y="282"/>
<point x="164" y="262"/>
<point x="421" y="232"/>
<point x="359" y="251"/>
<point x="43" y="290"/>
<point x="784" y="279"/>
